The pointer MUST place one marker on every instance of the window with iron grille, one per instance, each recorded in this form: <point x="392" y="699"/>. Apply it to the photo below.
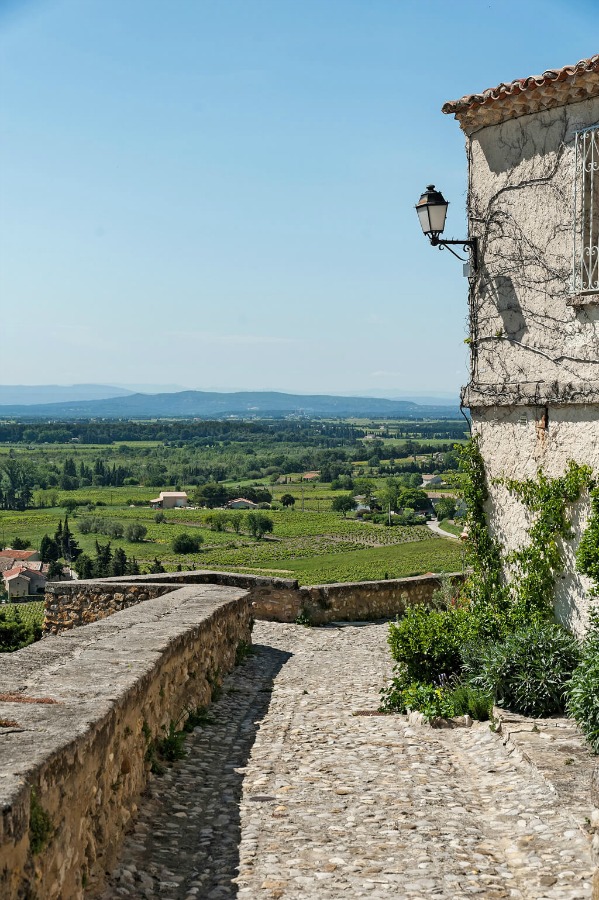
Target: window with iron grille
<point x="585" y="264"/>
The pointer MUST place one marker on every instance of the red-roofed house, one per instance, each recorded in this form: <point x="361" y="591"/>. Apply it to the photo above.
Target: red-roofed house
<point x="23" y="555"/>
<point x="22" y="582"/>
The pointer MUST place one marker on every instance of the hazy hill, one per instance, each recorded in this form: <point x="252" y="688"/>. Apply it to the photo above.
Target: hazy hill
<point x="211" y="405"/>
<point x="27" y="394"/>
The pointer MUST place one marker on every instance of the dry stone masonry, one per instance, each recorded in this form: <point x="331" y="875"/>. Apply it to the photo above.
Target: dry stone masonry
<point x="81" y="714"/>
<point x="71" y="604"/>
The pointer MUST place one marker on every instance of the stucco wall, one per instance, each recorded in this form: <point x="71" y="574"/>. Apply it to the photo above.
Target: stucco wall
<point x="534" y="380"/>
<point x="514" y="447"/>
<point x="521" y="207"/>
<point x="114" y="686"/>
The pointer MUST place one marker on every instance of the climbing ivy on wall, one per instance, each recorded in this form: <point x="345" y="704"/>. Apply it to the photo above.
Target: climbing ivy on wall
<point x="587" y="555"/>
<point x="528" y="596"/>
<point x="537" y="565"/>
<point x="485" y="587"/>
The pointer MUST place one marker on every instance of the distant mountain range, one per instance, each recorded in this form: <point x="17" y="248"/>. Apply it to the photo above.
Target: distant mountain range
<point x="28" y="394"/>
<point x="216" y="405"/>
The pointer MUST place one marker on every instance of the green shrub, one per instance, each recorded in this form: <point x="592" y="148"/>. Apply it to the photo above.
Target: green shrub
<point x="135" y="532"/>
<point x="528" y="672"/>
<point x="428" y="642"/>
<point x="583" y="689"/>
<point x="467" y="699"/>
<point x="172" y="746"/>
<point x="403" y="695"/>
<point x="187" y="543"/>
<point x="443" y="700"/>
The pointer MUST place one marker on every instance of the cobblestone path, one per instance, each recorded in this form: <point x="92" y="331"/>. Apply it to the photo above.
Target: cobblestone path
<point x="286" y="794"/>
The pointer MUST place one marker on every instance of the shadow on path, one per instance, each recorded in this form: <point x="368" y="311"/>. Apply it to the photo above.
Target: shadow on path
<point x="186" y="838"/>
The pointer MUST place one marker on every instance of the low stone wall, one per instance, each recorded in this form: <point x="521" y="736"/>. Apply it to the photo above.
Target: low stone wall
<point x="365" y="600"/>
<point x="70" y="604"/>
<point x="80" y="714"/>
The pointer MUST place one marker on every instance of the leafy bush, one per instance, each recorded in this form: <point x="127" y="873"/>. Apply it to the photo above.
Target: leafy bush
<point x="259" y="524"/>
<point x="528" y="672"/>
<point x="583" y="689"/>
<point x="99" y="525"/>
<point x="187" y="543"/>
<point x="428" y="642"/>
<point x="135" y="532"/>
<point x="446" y="698"/>
<point x="466" y="699"/>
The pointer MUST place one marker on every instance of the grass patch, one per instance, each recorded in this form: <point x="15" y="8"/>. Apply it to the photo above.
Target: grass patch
<point x="451" y="527"/>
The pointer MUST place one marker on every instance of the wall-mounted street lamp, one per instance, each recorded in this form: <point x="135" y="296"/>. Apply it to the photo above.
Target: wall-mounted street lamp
<point x="432" y="211"/>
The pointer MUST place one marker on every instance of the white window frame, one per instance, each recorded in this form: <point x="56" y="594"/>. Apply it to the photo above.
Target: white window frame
<point x="585" y="227"/>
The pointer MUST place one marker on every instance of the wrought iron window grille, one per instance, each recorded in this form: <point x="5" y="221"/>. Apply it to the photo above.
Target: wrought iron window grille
<point x="585" y="242"/>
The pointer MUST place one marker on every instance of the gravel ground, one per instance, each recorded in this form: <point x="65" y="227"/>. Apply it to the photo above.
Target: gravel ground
<point x="288" y="794"/>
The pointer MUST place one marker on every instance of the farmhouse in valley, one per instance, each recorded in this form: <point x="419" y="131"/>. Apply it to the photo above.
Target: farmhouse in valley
<point x="533" y="204"/>
<point x="24" y="556"/>
<point x="169" y="500"/>
<point x="21" y="581"/>
<point x="241" y="503"/>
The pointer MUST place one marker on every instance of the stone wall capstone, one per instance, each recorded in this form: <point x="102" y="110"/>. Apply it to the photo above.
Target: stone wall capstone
<point x="81" y="714"/>
<point x="70" y="604"/>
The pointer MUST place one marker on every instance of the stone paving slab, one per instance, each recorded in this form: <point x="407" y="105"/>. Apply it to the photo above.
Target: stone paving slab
<point x="287" y="794"/>
<point x="556" y="749"/>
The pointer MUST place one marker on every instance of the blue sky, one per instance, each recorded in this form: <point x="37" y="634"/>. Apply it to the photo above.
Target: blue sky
<point x="219" y="193"/>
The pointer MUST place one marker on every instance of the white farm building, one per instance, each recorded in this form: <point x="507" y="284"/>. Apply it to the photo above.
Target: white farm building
<point x="170" y="500"/>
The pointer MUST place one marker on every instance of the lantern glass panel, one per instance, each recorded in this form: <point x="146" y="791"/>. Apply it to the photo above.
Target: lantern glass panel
<point x="424" y="217"/>
<point x="437" y="213"/>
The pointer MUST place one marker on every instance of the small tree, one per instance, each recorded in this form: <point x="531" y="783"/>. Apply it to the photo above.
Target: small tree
<point x="445" y="508"/>
<point x="236" y="520"/>
<point x="187" y="543"/>
<point x="218" y="521"/>
<point x="20" y="544"/>
<point x="156" y="568"/>
<point x="259" y="524"/>
<point x="119" y="562"/>
<point x="160" y="518"/>
<point x="343" y="504"/>
<point x="84" y="566"/>
<point x="103" y="560"/>
<point x="49" y="549"/>
<point x="55" y="570"/>
<point x="288" y="500"/>
<point x="132" y="566"/>
<point x="135" y="532"/>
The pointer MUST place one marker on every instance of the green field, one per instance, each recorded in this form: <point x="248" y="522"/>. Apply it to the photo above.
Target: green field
<point x="317" y="547"/>
<point x="309" y="541"/>
<point x="31" y="613"/>
<point x="377" y="563"/>
<point x="451" y="527"/>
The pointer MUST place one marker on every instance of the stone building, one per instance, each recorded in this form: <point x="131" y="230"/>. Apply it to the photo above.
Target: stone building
<point x="533" y="204"/>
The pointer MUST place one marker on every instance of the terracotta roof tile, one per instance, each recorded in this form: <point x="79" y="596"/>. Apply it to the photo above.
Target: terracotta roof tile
<point x="17" y="554"/>
<point x="553" y="88"/>
<point x="22" y="570"/>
